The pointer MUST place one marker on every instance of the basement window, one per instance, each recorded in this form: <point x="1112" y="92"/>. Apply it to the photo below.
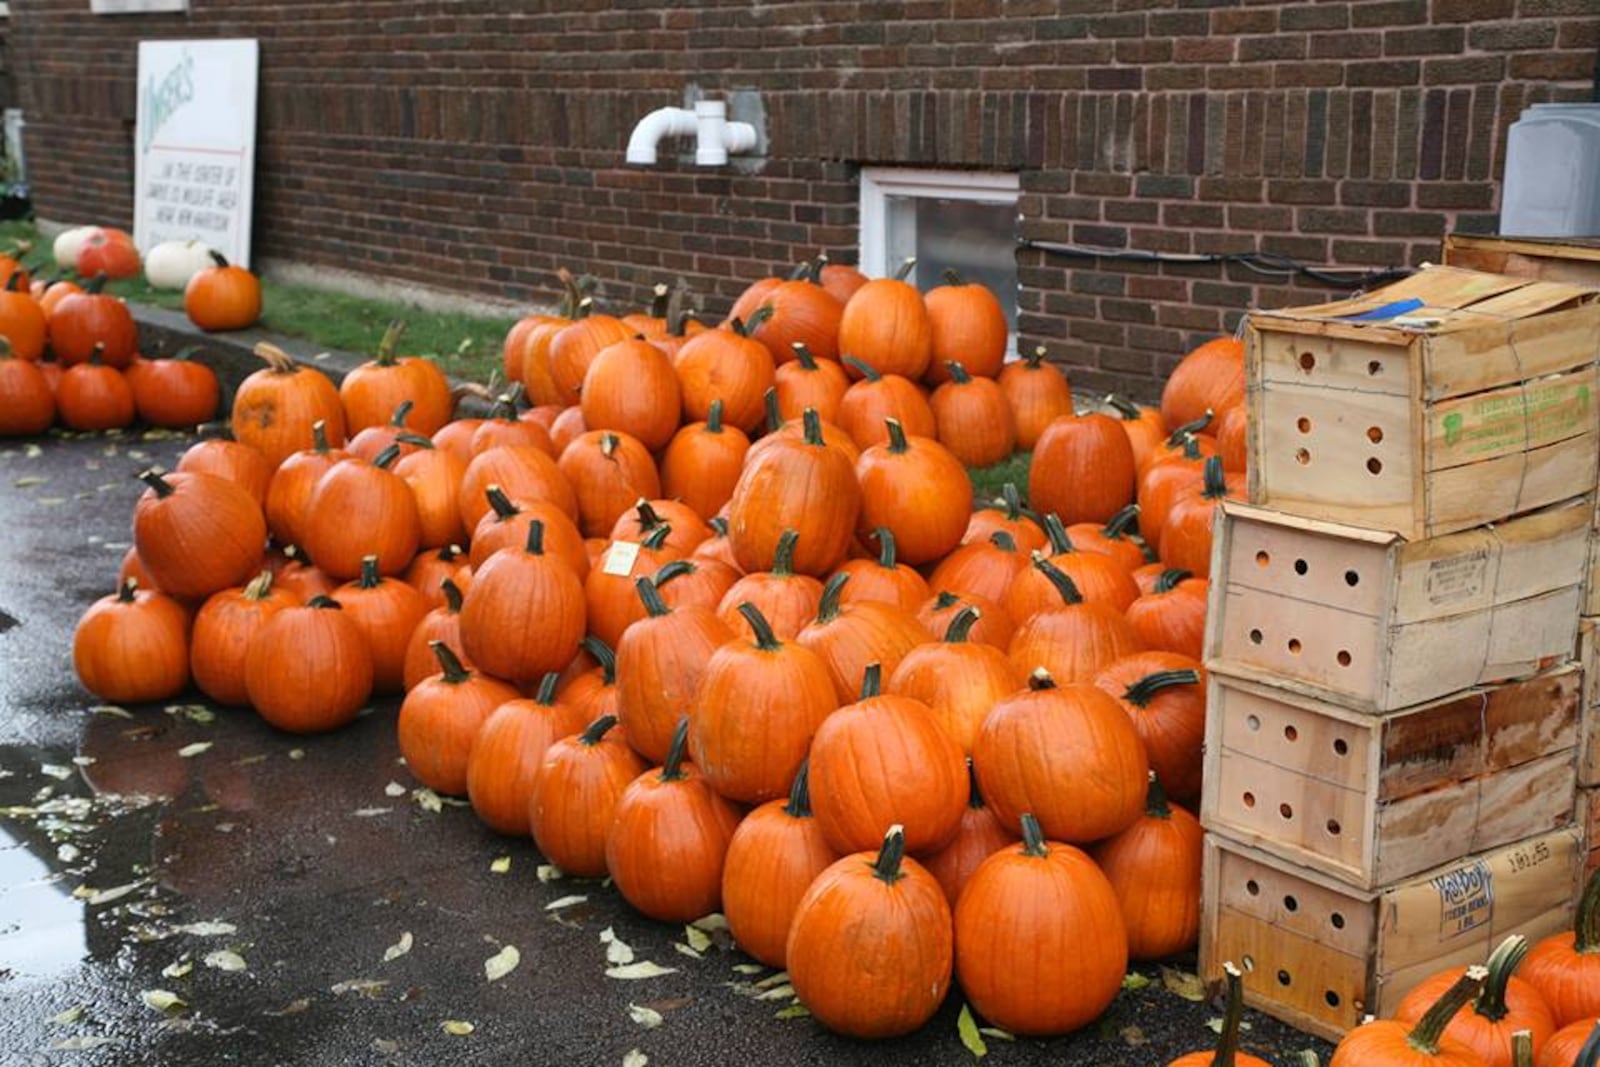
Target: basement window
<point x="948" y="219"/>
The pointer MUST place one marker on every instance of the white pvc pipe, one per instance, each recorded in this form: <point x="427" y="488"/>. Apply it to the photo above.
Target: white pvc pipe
<point x="662" y="122"/>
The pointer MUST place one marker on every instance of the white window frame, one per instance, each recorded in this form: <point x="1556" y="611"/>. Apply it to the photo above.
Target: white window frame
<point x="880" y="183"/>
<point x="138" y="7"/>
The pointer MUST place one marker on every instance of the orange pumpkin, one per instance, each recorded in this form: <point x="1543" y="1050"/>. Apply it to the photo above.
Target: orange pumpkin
<point x="1574" y="1045"/>
<point x="1565" y="967"/>
<point x="1388" y="1043"/>
<point x="1154" y="866"/>
<point x="22" y="320"/>
<point x="918" y="490"/>
<point x="807" y="382"/>
<point x="609" y="472"/>
<point x="27" y="402"/>
<point x="729" y="365"/>
<point x="1006" y="514"/>
<point x="799" y="484"/>
<point x="108" y="251"/>
<point x="222" y="297"/>
<point x="1038" y="393"/>
<point x="1233" y="444"/>
<point x="1164" y="694"/>
<point x="1075" y="638"/>
<point x="293" y="481"/>
<point x="441" y="718"/>
<point x="980" y="836"/>
<point x="973" y="419"/>
<point x="884" y="579"/>
<point x="132" y="646"/>
<point x="1143" y="426"/>
<point x="993" y="628"/>
<point x="387" y="611"/>
<point x="90" y="318"/>
<point x="1210" y="377"/>
<point x="802" y="313"/>
<point x="969" y="329"/>
<point x="1082" y="469"/>
<point x="1172" y="616"/>
<point x="223" y="629"/>
<point x="308" y="670"/>
<point x="441" y="623"/>
<point x="958" y="679"/>
<point x="92" y="396"/>
<point x="660" y="662"/>
<point x="840" y="279"/>
<point x="866" y="405"/>
<point x="786" y="600"/>
<point x="851" y="637"/>
<point x="523" y="472"/>
<point x="575" y="795"/>
<point x="197" y="533"/>
<point x="435" y="477"/>
<point x="1114" y="538"/>
<point x="230" y="461"/>
<point x="275" y="408"/>
<point x="1505" y="1005"/>
<point x="574" y="347"/>
<point x="508" y="751"/>
<point x="981" y="568"/>
<point x="632" y="388"/>
<point x="389" y="526"/>
<point x="885" y="326"/>
<point x="1186" y="533"/>
<point x="176" y="393"/>
<point x="524" y="615"/>
<point x="703" y="461"/>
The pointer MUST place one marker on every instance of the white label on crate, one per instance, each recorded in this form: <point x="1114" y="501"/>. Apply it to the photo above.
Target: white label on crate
<point x="620" y="558"/>
<point x="1466" y="899"/>
<point x="1457" y="579"/>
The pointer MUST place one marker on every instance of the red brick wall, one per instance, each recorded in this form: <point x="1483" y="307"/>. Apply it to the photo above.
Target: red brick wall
<point x="462" y="146"/>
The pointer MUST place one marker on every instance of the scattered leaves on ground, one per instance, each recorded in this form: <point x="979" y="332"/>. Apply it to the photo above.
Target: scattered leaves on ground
<point x="81" y="1043"/>
<point x="793" y="1011"/>
<point x="1186" y="985"/>
<point x="367" y="987"/>
<point x="457" y="1027"/>
<point x="225" y="960"/>
<point x="565" y="902"/>
<point x="1133" y="980"/>
<point x="399" y="948"/>
<point x="635" y="1058"/>
<point x="394" y="789"/>
<point x="698" y="939"/>
<point x="207" y="929"/>
<point x="618" y="951"/>
<point x="641" y="969"/>
<point x="68" y="1017"/>
<point x="178" y="968"/>
<point x="967" y="1028"/>
<point x="162" y="1000"/>
<point x="1133" y="1037"/>
<point x="294" y="1007"/>
<point x="192" y="750"/>
<point x="501" y="865"/>
<point x="549" y="872"/>
<point x="648" y="1018"/>
<point x="502" y="963"/>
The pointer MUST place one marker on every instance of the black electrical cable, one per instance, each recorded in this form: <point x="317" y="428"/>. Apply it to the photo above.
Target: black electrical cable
<point x="1260" y="262"/>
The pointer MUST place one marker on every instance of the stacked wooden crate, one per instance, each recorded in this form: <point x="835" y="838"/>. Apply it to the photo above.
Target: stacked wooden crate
<point x="1395" y="710"/>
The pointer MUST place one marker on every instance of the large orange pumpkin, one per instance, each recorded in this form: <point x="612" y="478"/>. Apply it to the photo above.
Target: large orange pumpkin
<point x="609" y="472"/>
<point x="308" y="670"/>
<point x="387" y="611"/>
<point x="275" y="408"/>
<point x="441" y="718"/>
<point x="786" y="600"/>
<point x="223" y="629"/>
<point x="969" y="329"/>
<point x="89" y="318"/>
<point x="1154" y="866"/>
<point x="1075" y="639"/>
<point x="958" y="679"/>
<point x="524" y="615"/>
<point x="222" y="296"/>
<point x="1082" y="469"/>
<point x="702" y="463"/>
<point x="850" y="637"/>
<point x="800" y="484"/>
<point x="575" y="795"/>
<point x="661" y="659"/>
<point x="726" y="364"/>
<point x="1172" y="616"/>
<point x="197" y="533"/>
<point x="1565" y="967"/>
<point x="869" y="403"/>
<point x="885" y="325"/>
<point x="508" y="751"/>
<point x="176" y="393"/>
<point x="1164" y="694"/>
<point x="389" y="526"/>
<point x="1505" y="1005"/>
<point x="1389" y="1043"/>
<point x="807" y="382"/>
<point x="918" y="490"/>
<point x="973" y="419"/>
<point x="632" y="388"/>
<point x="803" y="313"/>
<point x="574" y="347"/>
<point x="979" y="836"/>
<point x="1210" y="377"/>
<point x="27" y="402"/>
<point x="132" y="646"/>
<point x="1038" y="393"/>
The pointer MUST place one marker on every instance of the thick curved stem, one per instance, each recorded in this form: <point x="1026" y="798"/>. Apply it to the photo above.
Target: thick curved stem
<point x="452" y="595"/>
<point x="383" y="460"/>
<point x="803" y="355"/>
<point x="887" y="866"/>
<point x="501" y="504"/>
<point x="454" y="672"/>
<point x="897" y="437"/>
<point x="799" y="805"/>
<point x="675" y="569"/>
<point x="1033" y="837"/>
<point x="1168" y="580"/>
<point x="602" y="655"/>
<point x="654" y="606"/>
<point x="672" y="769"/>
<point x="1142" y="692"/>
<point x="783" y="555"/>
<point x="1122" y="523"/>
<point x="1056" y="531"/>
<point x="657" y="537"/>
<point x="885" y="539"/>
<point x="1058" y="578"/>
<point x="547" y="689"/>
<point x="1003" y="540"/>
<point x="1189" y="429"/>
<point x="1424" y="1037"/>
<point x="1215" y="483"/>
<point x="597" y="730"/>
<point x="714" y="417"/>
<point x="828" y="606"/>
<point x="1491" y="1002"/>
<point x="960" y="628"/>
<point x="766" y="640"/>
<point x="872" y="681"/>
<point x="866" y="370"/>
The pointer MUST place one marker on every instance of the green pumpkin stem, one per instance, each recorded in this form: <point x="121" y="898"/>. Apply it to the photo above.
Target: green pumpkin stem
<point x="1011" y="499"/>
<point x="1168" y="580"/>
<point x="945" y="600"/>
<point x="1035" y="359"/>
<point x="415" y="440"/>
<point x="94" y="285"/>
<point x="389" y="342"/>
<point x="608" y="444"/>
<point x="1056" y="531"/>
<point x="905" y="269"/>
<point x="1227" y="1054"/>
<point x="866" y="371"/>
<point x="1155" y="799"/>
<point x="1058" y="578"/>
<point x="1124" y="407"/>
<point x="654" y="606"/>
<point x="1122" y="523"/>
<point x="597" y="730"/>
<point x="769" y="403"/>
<point x="402" y="412"/>
<point x="714" y="417"/>
<point x="887" y="866"/>
<point x="675" y="569"/>
<point x="452" y="595"/>
<point x="1191" y="447"/>
<point x="828" y="606"/>
<point x="657" y="537"/>
<point x="602" y="655"/>
<point x="323" y="600"/>
<point x="719" y="526"/>
<point x="500" y="504"/>
<point x="672" y="769"/>
<point x="153" y="478"/>
<point x="1189" y="429"/>
<point x="546" y="696"/>
<point x="960" y="628"/>
<point x="1522" y="1048"/>
<point x="1142" y="692"/>
<point x="1507" y="956"/>
<point x="125" y="591"/>
<point x="885" y="538"/>
<point x="659" y="296"/>
<point x="319" y="437"/>
<point x="370" y="578"/>
<point x="260" y="586"/>
<point x="958" y="372"/>
<point x="1215" y="484"/>
<point x="803" y="355"/>
<point x="648" y="518"/>
<point x="97" y="355"/>
<point x="799" y="805"/>
<point x="813" y="427"/>
<point x="1586" y="930"/>
<point x="951" y="276"/>
<point x="1033" y="837"/>
<point x="783" y="555"/>
<point x="1003" y="540"/>
<point x="1424" y="1037"/>
<point x="454" y="672"/>
<point x="758" y="318"/>
<point x="383" y="459"/>
<point x="535" y="543"/>
<point x="872" y="681"/>
<point x="584" y="309"/>
<point x="897" y="437"/>
<point x="766" y="640"/>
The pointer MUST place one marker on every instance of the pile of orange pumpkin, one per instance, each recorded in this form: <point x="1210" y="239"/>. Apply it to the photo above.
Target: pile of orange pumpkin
<point x="717" y="618"/>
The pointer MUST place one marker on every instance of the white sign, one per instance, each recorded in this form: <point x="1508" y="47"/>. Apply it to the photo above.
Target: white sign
<point x="195" y="144"/>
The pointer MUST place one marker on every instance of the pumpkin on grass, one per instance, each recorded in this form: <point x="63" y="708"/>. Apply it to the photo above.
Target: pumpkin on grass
<point x="884" y="760"/>
<point x="871" y="946"/>
<point x="1038" y="393"/>
<point x="308" y="670"/>
<point x="197" y="533"/>
<point x="387" y="611"/>
<point x="886" y="326"/>
<point x="958" y="679"/>
<point x="979" y="836"/>
<point x="918" y="490"/>
<point x="223" y="629"/>
<point x="275" y="408"/>
<point x="524" y="614"/>
<point x="1388" y="1043"/>
<point x="1154" y="866"/>
<point x="92" y="396"/>
<point x="798" y="484"/>
<point x="969" y="329"/>
<point x="669" y="840"/>
<point x="754" y="713"/>
<point x="575" y="795"/>
<point x="1505" y="1005"/>
<point x="389" y="526"/>
<point x="660" y="662"/>
<point x="1164" y="694"/>
<point x="786" y="600"/>
<point x="1040" y="948"/>
<point x="776" y="853"/>
<point x="1565" y="967"/>
<point x="1227" y="1053"/>
<point x="1082" y="469"/>
<point x="508" y="751"/>
<point x="973" y="419"/>
<point x="442" y="717"/>
<point x="132" y="646"/>
<point x="222" y="296"/>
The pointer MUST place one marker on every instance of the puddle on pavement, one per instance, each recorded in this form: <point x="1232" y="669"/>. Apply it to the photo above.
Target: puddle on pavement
<point x="41" y="925"/>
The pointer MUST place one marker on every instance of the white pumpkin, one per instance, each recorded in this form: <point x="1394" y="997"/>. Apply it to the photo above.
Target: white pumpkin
<point x="67" y="245"/>
<point x="171" y="264"/>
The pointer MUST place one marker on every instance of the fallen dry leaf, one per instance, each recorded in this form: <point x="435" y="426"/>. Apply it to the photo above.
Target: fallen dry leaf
<point x="399" y="948"/>
<point x="641" y="969"/>
<point x="502" y="963"/>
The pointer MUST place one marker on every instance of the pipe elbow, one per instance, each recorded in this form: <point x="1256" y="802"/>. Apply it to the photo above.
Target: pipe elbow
<point x="660" y="123"/>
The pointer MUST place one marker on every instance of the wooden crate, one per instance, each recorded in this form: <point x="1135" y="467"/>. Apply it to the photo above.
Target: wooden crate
<point x="1573" y="260"/>
<point x="1589" y="716"/>
<point x="1371" y="800"/>
<point x="1320" y="955"/>
<point x="1591" y="600"/>
<point x="1376" y="623"/>
<point x="1589" y="813"/>
<point x="1472" y="403"/>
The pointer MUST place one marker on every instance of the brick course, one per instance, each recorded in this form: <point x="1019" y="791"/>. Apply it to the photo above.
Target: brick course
<point x="477" y="145"/>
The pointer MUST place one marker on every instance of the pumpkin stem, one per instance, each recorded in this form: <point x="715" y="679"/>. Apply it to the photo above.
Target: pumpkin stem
<point x="401" y="412"/>
<point x="584" y="309"/>
<point x="676" y="569"/>
<point x="766" y="640"/>
<point x="680" y="322"/>
<point x="1424" y="1037"/>
<point x="719" y="526"/>
<point x="415" y="440"/>
<point x="505" y="405"/>
<point x="370" y="578"/>
<point x="5" y="348"/>
<point x="783" y="555"/>
<point x="758" y="318"/>
<point x="535" y="542"/>
<point x="1122" y="523"/>
<point x="1170" y="580"/>
<point x="603" y="655"/>
<point x="1589" y="1054"/>
<point x="14" y="282"/>
<point x="961" y="626"/>
<point x="828" y="606"/>
<point x="657" y="537"/>
<point x="1033" y="837"/>
<point x="672" y="769"/>
<point x="1191" y="447"/>
<point x="1155" y="800"/>
<point x="386" y="457"/>
<point x="887" y="866"/>
<point x="1586" y="931"/>
<point x="803" y="355"/>
<point x="958" y="372"/>
<point x="813" y="427"/>
<point x="454" y="672"/>
<point x="1011" y="501"/>
<point x="885" y="538"/>
<point x="125" y="591"/>
<point x="1189" y="429"/>
<point x="658" y="300"/>
<point x="319" y="437"/>
<point x="872" y="681"/>
<point x="1040" y="680"/>
<point x="608" y="444"/>
<point x="799" y="805"/>
<point x="95" y="284"/>
<point x="951" y="276"/>
<point x="1308" y="1058"/>
<point x="814" y="268"/>
<point x="97" y="354"/>
<point x="1058" y="578"/>
<point x="798" y="271"/>
<point x="654" y="606"/>
<point x="1142" y="692"/>
<point x="1056" y="531"/>
<point x="1215" y="485"/>
<point x="260" y="586"/>
<point x="452" y="595"/>
<point x="389" y="342"/>
<point x="648" y="519"/>
<point x="1507" y="956"/>
<point x="1035" y="358"/>
<point x="503" y="507"/>
<point x="945" y="599"/>
<point x="905" y="269"/>
<point x="322" y="600"/>
<point x="1522" y="1048"/>
<point x="597" y="730"/>
<point x="546" y="696"/>
<point x="1228" y="1044"/>
<point x="769" y="404"/>
<point x="569" y="294"/>
<point x="866" y="370"/>
<point x="1123" y="407"/>
<point x="153" y="478"/>
<point x="974" y="794"/>
<point x="1003" y="541"/>
<point x="714" y="417"/>
<point x="897" y="437"/>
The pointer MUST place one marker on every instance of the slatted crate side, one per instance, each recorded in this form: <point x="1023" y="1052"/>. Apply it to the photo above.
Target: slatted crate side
<point x="1589" y="815"/>
<point x="1320" y="955"/>
<point x="1575" y="261"/>
<point x="1474" y="406"/>
<point x="1589" y="720"/>
<point x="1369" y="800"/>
<point x="1365" y="619"/>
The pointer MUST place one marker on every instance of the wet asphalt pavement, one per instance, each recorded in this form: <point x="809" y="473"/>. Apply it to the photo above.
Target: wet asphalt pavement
<point x="261" y="879"/>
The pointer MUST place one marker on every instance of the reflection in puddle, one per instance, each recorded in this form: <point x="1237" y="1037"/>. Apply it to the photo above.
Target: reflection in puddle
<point x="41" y="925"/>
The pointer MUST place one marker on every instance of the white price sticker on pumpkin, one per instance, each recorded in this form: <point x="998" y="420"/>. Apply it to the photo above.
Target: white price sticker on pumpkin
<point x="620" y="558"/>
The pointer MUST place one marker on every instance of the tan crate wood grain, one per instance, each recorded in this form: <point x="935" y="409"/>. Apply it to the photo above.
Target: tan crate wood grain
<point x="1589" y="717"/>
<point x="1320" y="955"/>
<point x="1370" y="800"/>
<point x="1589" y="812"/>
<point x="1476" y="405"/>
<point x="1575" y="261"/>
<point x="1375" y="623"/>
